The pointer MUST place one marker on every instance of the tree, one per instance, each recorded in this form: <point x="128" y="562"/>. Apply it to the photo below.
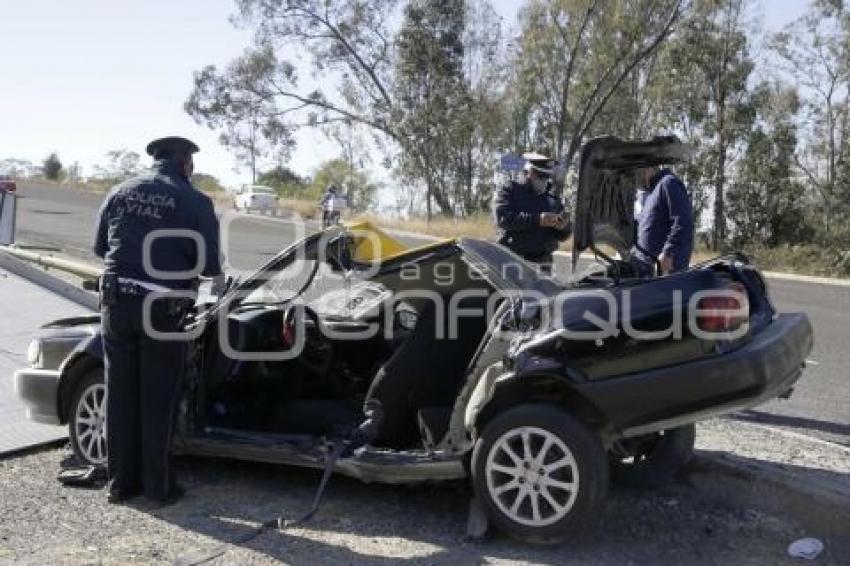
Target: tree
<point x="815" y="50"/>
<point x="52" y="167"/>
<point x="120" y="164"/>
<point x="252" y="139"/>
<point x="450" y="84"/>
<point x="573" y="57"/>
<point x="430" y="90"/>
<point x="242" y="138"/>
<point x="766" y="202"/>
<point x="706" y="67"/>
<point x="351" y="46"/>
<point x="207" y="183"/>
<point x="284" y="180"/>
<point x="482" y="135"/>
<point x="347" y="42"/>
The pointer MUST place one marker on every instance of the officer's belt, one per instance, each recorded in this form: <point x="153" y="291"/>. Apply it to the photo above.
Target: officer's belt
<point x="130" y="286"/>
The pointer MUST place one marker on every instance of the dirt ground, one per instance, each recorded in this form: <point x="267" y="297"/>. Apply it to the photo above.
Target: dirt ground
<point x="683" y="523"/>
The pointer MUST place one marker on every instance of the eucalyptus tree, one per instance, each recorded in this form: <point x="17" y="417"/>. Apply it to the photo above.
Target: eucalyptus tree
<point x="573" y="57"/>
<point x="815" y="50"/>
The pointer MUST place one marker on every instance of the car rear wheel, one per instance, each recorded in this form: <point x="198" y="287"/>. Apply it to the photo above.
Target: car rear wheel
<point x="653" y="460"/>
<point x="87" y="423"/>
<point x="540" y="474"/>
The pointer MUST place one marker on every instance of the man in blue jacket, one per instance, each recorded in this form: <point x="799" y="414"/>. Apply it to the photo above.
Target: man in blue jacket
<point x="665" y="231"/>
<point x="143" y="371"/>
<point x="530" y="217"/>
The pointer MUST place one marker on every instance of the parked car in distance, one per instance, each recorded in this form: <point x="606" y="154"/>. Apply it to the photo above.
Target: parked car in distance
<point x="256" y="198"/>
<point x="7" y="184"/>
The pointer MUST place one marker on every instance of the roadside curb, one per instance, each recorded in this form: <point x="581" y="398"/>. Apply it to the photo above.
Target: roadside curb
<point x="835" y="282"/>
<point x="822" y="507"/>
<point x="49" y="281"/>
<point x="760" y="468"/>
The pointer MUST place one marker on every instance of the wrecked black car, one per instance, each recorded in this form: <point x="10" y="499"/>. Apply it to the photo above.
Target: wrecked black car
<point x="460" y="360"/>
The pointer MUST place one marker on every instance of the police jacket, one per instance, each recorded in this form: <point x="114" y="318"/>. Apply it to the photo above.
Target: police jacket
<point x="665" y="223"/>
<point x="517" y="208"/>
<point x="162" y="199"/>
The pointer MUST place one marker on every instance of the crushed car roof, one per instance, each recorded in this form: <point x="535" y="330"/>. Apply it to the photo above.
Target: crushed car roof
<point x="373" y="245"/>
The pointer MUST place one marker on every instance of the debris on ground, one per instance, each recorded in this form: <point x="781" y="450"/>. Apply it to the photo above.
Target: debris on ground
<point x="806" y="548"/>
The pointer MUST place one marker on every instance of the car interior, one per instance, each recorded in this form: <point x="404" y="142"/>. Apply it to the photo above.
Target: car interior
<point x="370" y="339"/>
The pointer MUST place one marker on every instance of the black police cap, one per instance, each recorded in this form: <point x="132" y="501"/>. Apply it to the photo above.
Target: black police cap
<point x="174" y="145"/>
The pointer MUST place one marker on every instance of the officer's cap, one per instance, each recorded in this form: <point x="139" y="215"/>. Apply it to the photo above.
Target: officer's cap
<point x="538" y="162"/>
<point x="174" y="145"/>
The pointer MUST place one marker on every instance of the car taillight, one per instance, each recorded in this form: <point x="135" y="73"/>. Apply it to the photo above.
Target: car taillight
<point x="724" y="310"/>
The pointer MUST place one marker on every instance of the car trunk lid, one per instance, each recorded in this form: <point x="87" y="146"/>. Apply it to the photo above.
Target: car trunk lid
<point x="604" y="211"/>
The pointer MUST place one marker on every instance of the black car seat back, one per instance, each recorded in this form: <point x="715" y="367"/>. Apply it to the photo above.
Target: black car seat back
<point x="427" y="370"/>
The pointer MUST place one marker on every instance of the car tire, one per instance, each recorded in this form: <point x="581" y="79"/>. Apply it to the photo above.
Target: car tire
<point x="656" y="460"/>
<point x="87" y="419"/>
<point x="544" y="505"/>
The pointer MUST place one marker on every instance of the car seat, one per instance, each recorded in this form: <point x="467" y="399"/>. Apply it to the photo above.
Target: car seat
<point x="425" y="371"/>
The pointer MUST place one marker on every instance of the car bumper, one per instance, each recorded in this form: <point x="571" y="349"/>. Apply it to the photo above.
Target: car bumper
<point x="764" y="368"/>
<point x="37" y="388"/>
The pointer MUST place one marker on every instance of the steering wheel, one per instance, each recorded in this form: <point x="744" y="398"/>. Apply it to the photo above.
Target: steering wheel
<point x="317" y="354"/>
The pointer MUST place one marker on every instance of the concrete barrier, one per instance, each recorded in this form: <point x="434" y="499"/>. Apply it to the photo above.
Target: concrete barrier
<point x="78" y="268"/>
<point x="49" y="281"/>
<point x="8" y="213"/>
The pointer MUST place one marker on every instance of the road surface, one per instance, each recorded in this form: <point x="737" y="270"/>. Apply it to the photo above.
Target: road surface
<point x="64" y="219"/>
<point x="33" y="306"/>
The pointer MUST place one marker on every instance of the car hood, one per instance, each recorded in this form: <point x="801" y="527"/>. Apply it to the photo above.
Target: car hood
<point x="605" y="199"/>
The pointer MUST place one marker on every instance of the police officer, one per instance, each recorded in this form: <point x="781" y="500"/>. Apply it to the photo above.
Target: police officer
<point x="665" y="224"/>
<point x="530" y="217"/>
<point x="143" y="373"/>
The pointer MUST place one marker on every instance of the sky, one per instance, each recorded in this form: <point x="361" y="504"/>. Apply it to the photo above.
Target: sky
<point x="85" y="77"/>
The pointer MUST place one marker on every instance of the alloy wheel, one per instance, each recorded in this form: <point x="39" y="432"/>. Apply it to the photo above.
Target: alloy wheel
<point x="90" y="423"/>
<point x="532" y="476"/>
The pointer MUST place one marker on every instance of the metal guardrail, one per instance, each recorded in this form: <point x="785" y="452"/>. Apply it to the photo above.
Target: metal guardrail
<point x="78" y="268"/>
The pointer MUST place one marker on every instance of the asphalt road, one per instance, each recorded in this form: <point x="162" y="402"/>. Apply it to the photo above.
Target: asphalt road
<point x="64" y="219"/>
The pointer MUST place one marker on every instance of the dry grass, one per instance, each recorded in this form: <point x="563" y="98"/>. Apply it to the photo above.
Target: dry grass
<point x="478" y="226"/>
<point x="807" y="259"/>
<point x="307" y="209"/>
<point x="89" y="186"/>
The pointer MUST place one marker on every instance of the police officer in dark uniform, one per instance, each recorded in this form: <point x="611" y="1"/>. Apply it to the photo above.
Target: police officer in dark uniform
<point x="665" y="225"/>
<point x="531" y="218"/>
<point x="144" y="373"/>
